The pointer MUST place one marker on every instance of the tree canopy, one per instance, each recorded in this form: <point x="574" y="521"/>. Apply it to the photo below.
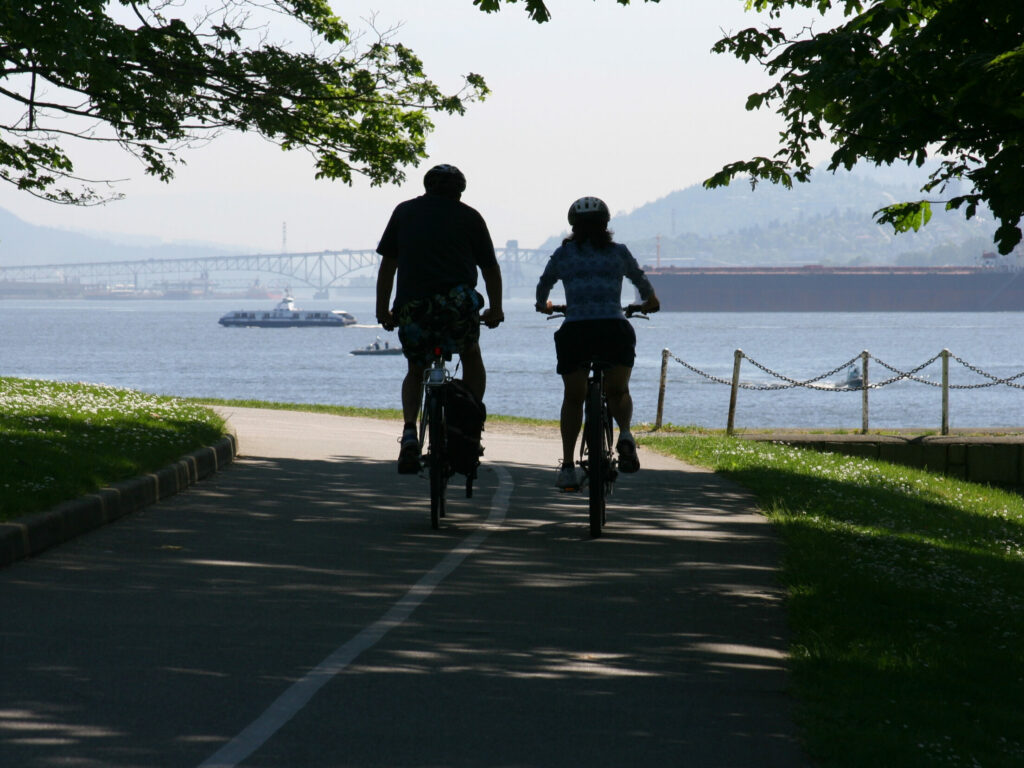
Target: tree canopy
<point x="536" y="8"/>
<point x="157" y="76"/>
<point x="896" y="81"/>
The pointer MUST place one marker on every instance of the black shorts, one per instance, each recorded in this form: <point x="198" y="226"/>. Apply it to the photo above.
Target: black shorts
<point x="580" y="341"/>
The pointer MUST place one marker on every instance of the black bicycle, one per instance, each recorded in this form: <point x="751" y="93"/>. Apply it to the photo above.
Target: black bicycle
<point x="599" y="464"/>
<point x="597" y="460"/>
<point x="434" y="437"/>
<point x="432" y="434"/>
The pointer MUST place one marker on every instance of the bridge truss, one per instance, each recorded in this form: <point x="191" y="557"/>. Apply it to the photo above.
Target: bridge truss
<point x="322" y="270"/>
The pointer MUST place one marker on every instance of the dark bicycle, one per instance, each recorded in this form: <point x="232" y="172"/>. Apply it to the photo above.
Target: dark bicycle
<point x="600" y="467"/>
<point x="597" y="460"/>
<point x="433" y="439"/>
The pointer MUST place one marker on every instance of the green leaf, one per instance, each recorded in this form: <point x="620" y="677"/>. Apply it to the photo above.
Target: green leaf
<point x="905" y="217"/>
<point x="898" y="81"/>
<point x="165" y="76"/>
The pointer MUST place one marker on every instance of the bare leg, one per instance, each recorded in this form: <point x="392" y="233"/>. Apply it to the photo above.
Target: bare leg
<point x="473" y="371"/>
<point x="412" y="393"/>
<point x="620" y="402"/>
<point x="572" y="413"/>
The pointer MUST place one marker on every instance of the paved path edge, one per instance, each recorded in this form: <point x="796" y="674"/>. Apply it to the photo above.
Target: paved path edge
<point x="28" y="536"/>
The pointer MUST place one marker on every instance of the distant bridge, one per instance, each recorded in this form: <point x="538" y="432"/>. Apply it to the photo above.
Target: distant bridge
<point x="322" y="270"/>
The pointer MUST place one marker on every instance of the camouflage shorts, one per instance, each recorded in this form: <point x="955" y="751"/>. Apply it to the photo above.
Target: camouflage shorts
<point x="449" y="320"/>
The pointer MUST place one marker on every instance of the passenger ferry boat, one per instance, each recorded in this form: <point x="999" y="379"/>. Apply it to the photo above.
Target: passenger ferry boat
<point x="287" y="315"/>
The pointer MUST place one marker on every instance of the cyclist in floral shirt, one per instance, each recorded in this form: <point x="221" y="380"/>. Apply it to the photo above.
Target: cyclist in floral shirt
<point x="591" y="267"/>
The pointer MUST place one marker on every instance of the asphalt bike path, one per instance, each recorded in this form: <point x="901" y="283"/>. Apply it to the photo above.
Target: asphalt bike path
<point x="296" y="609"/>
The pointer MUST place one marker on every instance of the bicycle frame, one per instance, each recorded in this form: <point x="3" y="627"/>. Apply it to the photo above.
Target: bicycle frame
<point x="596" y="458"/>
<point x="432" y="435"/>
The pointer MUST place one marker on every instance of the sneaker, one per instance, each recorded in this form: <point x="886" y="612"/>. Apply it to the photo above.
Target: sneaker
<point x="628" y="461"/>
<point x="568" y="479"/>
<point x="409" y="455"/>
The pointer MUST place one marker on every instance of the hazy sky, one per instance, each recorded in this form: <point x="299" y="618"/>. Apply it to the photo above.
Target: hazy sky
<point x="626" y="103"/>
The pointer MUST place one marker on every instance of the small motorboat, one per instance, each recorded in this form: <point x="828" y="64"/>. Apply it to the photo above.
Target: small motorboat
<point x="378" y="347"/>
<point x="854" y="380"/>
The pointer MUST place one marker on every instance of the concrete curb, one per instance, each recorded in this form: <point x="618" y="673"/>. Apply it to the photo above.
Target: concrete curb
<point x="987" y="459"/>
<point x="28" y="536"/>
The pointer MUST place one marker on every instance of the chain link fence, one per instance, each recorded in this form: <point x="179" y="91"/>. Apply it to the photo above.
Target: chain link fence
<point x="857" y="380"/>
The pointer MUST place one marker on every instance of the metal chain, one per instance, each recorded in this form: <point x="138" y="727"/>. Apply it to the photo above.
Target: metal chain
<point x="809" y="383"/>
<point x="698" y="371"/>
<point x="994" y="380"/>
<point x="910" y="375"/>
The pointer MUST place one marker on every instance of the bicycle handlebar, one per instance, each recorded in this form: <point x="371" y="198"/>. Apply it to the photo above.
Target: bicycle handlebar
<point x="632" y="311"/>
<point x="636" y="310"/>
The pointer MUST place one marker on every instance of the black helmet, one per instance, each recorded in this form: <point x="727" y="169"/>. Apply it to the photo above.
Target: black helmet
<point x="588" y="206"/>
<point x="444" y="178"/>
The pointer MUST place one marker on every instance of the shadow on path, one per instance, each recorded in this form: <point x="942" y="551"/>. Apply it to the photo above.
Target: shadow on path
<point x="157" y="639"/>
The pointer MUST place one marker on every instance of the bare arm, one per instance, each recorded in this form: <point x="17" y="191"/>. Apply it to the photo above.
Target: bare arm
<point x="651" y="304"/>
<point x="493" y="315"/>
<point x="547" y="281"/>
<point x="385" y="282"/>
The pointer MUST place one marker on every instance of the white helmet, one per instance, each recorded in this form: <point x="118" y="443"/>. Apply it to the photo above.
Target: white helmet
<point x="588" y="206"/>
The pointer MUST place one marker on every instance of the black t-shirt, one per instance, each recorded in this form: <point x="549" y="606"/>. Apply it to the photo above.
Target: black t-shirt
<point x="438" y="242"/>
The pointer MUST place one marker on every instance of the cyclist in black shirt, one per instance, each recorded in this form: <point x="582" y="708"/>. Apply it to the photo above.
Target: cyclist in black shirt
<point x="435" y="243"/>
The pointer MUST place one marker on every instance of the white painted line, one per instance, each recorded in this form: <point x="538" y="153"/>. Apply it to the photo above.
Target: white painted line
<point x="288" y="704"/>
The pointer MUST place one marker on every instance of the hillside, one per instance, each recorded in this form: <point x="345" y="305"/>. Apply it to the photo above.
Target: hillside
<point x="826" y="221"/>
<point x="24" y="244"/>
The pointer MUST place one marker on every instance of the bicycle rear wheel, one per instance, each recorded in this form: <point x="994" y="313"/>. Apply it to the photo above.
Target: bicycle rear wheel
<point x="436" y="458"/>
<point x="594" y="435"/>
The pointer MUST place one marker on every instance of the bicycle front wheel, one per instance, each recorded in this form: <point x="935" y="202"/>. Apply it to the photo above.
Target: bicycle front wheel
<point x="436" y="459"/>
<point x="594" y="434"/>
<point x="610" y="471"/>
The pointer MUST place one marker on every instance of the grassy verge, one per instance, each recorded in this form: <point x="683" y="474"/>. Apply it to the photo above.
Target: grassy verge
<point x="336" y="410"/>
<point x="345" y="410"/>
<point x="906" y="603"/>
<point x="60" y="440"/>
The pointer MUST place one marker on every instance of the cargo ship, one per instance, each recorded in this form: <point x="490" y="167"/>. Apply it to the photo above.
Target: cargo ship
<point x="839" y="289"/>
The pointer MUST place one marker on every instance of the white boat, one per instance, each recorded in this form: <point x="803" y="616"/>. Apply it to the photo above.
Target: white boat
<point x="854" y="380"/>
<point x="287" y="315"/>
<point x="378" y="347"/>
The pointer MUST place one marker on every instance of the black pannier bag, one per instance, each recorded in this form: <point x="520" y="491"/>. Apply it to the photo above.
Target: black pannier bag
<point x="464" y="421"/>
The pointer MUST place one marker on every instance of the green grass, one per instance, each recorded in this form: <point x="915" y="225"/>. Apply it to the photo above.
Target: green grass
<point x="905" y="600"/>
<point x="60" y="440"/>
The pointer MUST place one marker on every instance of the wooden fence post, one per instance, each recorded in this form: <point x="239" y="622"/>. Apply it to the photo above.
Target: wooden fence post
<point x="945" y="391"/>
<point x="864" y="393"/>
<point x="661" y="387"/>
<point x="738" y="356"/>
